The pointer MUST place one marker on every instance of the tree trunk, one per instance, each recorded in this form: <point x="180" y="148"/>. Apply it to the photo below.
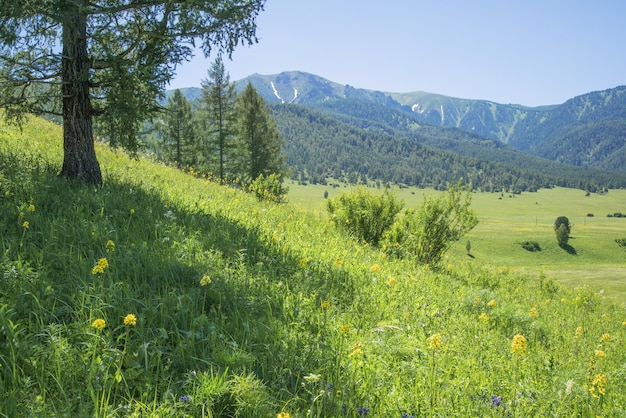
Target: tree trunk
<point x="79" y="161"/>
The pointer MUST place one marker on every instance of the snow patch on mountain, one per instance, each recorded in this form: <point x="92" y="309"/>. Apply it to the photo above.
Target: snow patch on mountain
<point x="276" y="92"/>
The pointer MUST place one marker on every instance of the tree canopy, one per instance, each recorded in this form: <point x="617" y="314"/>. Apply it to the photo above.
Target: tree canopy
<point x="108" y="58"/>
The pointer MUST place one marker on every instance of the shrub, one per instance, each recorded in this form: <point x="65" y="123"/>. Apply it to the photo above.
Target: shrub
<point x="365" y="215"/>
<point x="562" y="220"/>
<point x="269" y="188"/>
<point x="428" y="232"/>
<point x="532" y="246"/>
<point x="562" y="236"/>
<point x="562" y="228"/>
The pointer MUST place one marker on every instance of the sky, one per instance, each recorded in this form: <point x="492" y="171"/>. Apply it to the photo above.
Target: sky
<point x="528" y="52"/>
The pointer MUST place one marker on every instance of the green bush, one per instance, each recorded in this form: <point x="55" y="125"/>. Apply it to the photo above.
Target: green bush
<point x="269" y="188"/>
<point x="428" y="232"/>
<point x="365" y="215"/>
<point x="532" y="246"/>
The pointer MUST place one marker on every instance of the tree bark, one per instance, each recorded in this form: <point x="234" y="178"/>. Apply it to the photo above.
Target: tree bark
<point x="79" y="161"/>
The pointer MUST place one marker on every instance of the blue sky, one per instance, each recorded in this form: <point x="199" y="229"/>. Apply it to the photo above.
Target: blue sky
<point x="526" y="52"/>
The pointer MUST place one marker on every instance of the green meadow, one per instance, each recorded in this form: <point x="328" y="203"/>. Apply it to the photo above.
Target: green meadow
<point x="508" y="220"/>
<point x="162" y="294"/>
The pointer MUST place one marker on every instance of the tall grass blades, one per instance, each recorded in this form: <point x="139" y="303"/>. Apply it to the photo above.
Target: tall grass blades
<point x="164" y="294"/>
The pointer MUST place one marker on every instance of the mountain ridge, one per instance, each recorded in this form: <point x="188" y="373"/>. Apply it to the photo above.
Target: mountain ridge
<point x="534" y="130"/>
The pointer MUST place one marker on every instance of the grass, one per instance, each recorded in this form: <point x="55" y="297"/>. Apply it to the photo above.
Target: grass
<point x="508" y="220"/>
<point x="251" y="309"/>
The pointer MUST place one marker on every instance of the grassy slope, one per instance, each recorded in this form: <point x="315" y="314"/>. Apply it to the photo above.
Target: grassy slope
<point x="507" y="221"/>
<point x="295" y="317"/>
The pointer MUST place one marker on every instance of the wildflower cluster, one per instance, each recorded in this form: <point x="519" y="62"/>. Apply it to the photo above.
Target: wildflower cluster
<point x="519" y="345"/>
<point x="110" y="246"/>
<point x="356" y="349"/>
<point x="205" y="280"/>
<point x="598" y="385"/>
<point x="579" y="332"/>
<point x="100" y="266"/>
<point x="435" y="341"/>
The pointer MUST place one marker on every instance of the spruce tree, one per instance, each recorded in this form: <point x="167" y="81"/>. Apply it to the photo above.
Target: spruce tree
<point x="259" y="139"/>
<point x="179" y="137"/>
<point x="218" y="117"/>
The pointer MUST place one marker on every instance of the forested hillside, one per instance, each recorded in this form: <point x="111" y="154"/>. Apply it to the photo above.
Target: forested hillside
<point x="534" y="130"/>
<point x="319" y="146"/>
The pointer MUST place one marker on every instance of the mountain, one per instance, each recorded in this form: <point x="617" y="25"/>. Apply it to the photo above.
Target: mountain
<point x="551" y="132"/>
<point x="334" y="130"/>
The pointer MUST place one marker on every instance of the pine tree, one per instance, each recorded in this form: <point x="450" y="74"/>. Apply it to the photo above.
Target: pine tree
<point x="179" y="137"/>
<point x="259" y="139"/>
<point x="219" y="98"/>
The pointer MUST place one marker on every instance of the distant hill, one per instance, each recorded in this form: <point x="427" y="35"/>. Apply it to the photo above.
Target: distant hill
<point x="334" y="130"/>
<point x="534" y="130"/>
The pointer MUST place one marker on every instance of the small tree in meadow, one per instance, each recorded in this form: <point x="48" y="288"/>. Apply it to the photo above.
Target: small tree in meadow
<point x="364" y="214"/>
<point x="428" y="232"/>
<point x="562" y="236"/>
<point x="562" y="228"/>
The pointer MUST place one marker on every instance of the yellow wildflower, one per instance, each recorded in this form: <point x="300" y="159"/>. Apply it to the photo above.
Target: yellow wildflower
<point x="579" y="332"/>
<point x="434" y="341"/>
<point x="110" y="246"/>
<point x="375" y="268"/>
<point x="492" y="303"/>
<point x="483" y="317"/>
<point x="130" y="320"/>
<point x="22" y="214"/>
<point x="31" y="208"/>
<point x="356" y="349"/>
<point x="519" y="345"/>
<point x="476" y="300"/>
<point x="599" y="353"/>
<point x="599" y="385"/>
<point x="132" y="211"/>
<point x="624" y="324"/>
<point x="303" y="262"/>
<point x="392" y="281"/>
<point x="533" y="312"/>
<point x="337" y="262"/>
<point x="25" y="224"/>
<point x="100" y="266"/>
<point x="205" y="280"/>
<point x="283" y="415"/>
<point x="99" y="324"/>
<point x="605" y="337"/>
<point x="406" y="315"/>
<point x="345" y="329"/>
<point x="325" y="304"/>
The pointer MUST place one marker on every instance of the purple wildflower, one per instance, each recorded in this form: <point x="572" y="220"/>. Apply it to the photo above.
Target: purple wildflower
<point x="496" y="401"/>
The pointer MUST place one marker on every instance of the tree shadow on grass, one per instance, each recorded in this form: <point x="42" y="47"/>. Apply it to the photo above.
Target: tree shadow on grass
<point x="570" y="250"/>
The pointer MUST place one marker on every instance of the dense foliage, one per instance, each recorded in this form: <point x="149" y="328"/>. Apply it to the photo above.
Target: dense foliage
<point x="366" y="215"/>
<point x="107" y="59"/>
<point x="426" y="233"/>
<point x="229" y="136"/>
<point x="319" y="147"/>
